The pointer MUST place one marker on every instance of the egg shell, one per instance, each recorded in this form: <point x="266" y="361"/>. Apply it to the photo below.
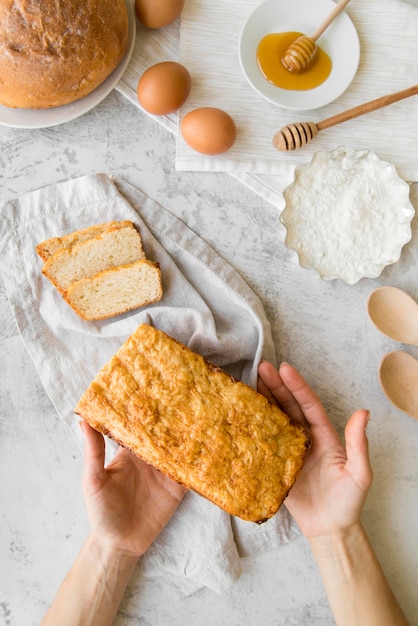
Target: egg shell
<point x="164" y="87"/>
<point x="209" y="130"/>
<point x="158" y="13"/>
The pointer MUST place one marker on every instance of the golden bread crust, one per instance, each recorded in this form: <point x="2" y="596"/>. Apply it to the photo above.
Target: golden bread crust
<point x="53" y="52"/>
<point x="196" y="424"/>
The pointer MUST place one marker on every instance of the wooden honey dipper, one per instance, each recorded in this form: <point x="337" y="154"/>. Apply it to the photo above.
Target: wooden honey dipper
<point x="301" y="53"/>
<point x="295" y="136"/>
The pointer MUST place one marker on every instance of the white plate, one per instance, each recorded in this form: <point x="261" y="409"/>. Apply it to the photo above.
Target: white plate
<point x="340" y="41"/>
<point x="347" y="214"/>
<point x="43" y="118"/>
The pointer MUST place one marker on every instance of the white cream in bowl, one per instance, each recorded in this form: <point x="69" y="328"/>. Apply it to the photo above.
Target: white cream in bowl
<point x="347" y="214"/>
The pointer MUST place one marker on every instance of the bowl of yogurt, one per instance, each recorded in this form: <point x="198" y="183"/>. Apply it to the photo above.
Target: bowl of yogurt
<point x="347" y="214"/>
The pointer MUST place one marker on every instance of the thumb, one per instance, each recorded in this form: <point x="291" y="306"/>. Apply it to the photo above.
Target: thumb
<point x="94" y="456"/>
<point x="357" y="449"/>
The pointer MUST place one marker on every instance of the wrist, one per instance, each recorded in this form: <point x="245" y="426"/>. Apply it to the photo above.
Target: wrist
<point x="336" y="539"/>
<point x="342" y="548"/>
<point x="108" y="555"/>
<point x="357" y="589"/>
<point x="93" y="588"/>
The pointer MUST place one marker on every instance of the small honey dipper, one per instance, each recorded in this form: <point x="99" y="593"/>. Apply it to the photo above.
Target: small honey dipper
<point x="295" y="136"/>
<point x="300" y="54"/>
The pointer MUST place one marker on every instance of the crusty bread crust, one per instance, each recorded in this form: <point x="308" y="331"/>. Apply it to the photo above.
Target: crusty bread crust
<point x="196" y="424"/>
<point x="53" y="52"/>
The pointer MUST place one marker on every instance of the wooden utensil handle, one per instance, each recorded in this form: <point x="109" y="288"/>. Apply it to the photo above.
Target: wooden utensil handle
<point x="373" y="105"/>
<point x="331" y="17"/>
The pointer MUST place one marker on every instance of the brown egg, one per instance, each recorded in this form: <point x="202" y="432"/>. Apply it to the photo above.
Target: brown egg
<point x="158" y="13"/>
<point x="164" y="87"/>
<point x="209" y="130"/>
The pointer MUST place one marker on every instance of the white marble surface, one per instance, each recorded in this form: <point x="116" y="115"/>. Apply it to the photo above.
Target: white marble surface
<point x="320" y="327"/>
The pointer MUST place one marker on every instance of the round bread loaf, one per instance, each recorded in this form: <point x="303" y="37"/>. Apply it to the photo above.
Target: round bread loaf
<point x="53" y="52"/>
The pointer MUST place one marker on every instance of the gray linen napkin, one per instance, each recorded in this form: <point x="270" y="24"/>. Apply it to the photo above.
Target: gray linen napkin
<point x="206" y="305"/>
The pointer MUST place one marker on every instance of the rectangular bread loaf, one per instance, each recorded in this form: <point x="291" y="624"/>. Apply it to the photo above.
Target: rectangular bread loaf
<point x="196" y="424"/>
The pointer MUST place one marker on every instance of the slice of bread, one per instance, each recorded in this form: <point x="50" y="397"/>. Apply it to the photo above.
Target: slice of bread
<point x="116" y="290"/>
<point x="196" y="424"/>
<point x="47" y="248"/>
<point x="84" y="259"/>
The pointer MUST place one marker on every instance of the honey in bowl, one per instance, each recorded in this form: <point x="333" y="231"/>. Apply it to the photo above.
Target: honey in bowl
<point x="270" y="52"/>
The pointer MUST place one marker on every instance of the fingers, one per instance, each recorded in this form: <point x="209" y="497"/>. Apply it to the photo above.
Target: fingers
<point x="305" y="397"/>
<point x="294" y="395"/>
<point x="357" y="449"/>
<point x="271" y="385"/>
<point x="268" y="379"/>
<point x="289" y="389"/>
<point x="94" y="452"/>
<point x="300" y="402"/>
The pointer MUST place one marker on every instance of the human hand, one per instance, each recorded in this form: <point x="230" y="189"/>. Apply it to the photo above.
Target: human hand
<point x="330" y="492"/>
<point x="128" y="502"/>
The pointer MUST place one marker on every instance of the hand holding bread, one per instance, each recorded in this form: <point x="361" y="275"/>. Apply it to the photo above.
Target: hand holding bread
<point x="333" y="472"/>
<point x="196" y="424"/>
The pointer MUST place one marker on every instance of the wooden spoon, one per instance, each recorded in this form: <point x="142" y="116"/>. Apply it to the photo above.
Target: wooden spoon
<point x="395" y="314"/>
<point x="398" y="376"/>
<point x="295" y="136"/>
<point x="301" y="53"/>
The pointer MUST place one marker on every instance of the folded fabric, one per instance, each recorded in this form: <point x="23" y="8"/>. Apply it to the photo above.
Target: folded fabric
<point x="206" y="305"/>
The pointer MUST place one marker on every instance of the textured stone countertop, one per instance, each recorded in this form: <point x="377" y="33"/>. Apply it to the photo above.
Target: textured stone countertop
<point x="320" y="327"/>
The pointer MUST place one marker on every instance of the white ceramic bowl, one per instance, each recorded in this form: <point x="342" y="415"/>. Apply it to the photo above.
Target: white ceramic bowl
<point x="347" y="214"/>
<point x="340" y="41"/>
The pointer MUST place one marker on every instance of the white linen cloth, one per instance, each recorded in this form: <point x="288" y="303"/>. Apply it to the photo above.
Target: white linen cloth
<point x="205" y="305"/>
<point x="205" y="40"/>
